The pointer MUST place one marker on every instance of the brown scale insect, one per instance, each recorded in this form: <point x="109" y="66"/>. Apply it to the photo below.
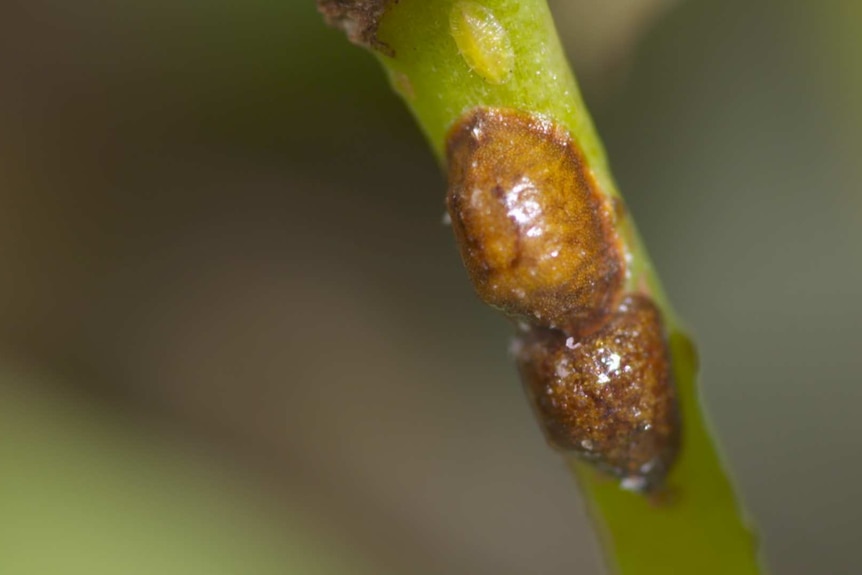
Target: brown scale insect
<point x="608" y="396"/>
<point x="537" y="238"/>
<point x="535" y="234"/>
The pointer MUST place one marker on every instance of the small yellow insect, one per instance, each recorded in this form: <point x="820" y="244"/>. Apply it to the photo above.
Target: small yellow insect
<point x="482" y="41"/>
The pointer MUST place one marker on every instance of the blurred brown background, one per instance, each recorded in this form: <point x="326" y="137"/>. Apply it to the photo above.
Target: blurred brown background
<point x="221" y="239"/>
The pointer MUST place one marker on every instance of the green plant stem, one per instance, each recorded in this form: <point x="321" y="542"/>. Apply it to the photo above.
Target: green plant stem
<point x="700" y="528"/>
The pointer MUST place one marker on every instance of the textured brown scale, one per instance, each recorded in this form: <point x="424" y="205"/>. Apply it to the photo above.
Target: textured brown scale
<point x="608" y="396"/>
<point x="535" y="233"/>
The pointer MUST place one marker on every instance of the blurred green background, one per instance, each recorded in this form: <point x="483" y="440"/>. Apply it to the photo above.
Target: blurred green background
<point x="236" y="337"/>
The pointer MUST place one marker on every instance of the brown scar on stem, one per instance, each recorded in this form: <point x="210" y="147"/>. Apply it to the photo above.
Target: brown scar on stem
<point x="621" y="211"/>
<point x="359" y="19"/>
<point x="609" y="397"/>
<point x="536" y="234"/>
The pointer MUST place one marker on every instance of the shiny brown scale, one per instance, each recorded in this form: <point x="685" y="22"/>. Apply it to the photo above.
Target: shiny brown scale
<point x="535" y="233"/>
<point x="609" y="396"/>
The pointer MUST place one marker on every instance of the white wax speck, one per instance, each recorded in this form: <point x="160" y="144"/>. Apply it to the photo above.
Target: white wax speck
<point x="633" y="483"/>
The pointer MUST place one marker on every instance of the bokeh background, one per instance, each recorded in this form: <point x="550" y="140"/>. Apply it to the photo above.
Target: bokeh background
<point x="236" y="337"/>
